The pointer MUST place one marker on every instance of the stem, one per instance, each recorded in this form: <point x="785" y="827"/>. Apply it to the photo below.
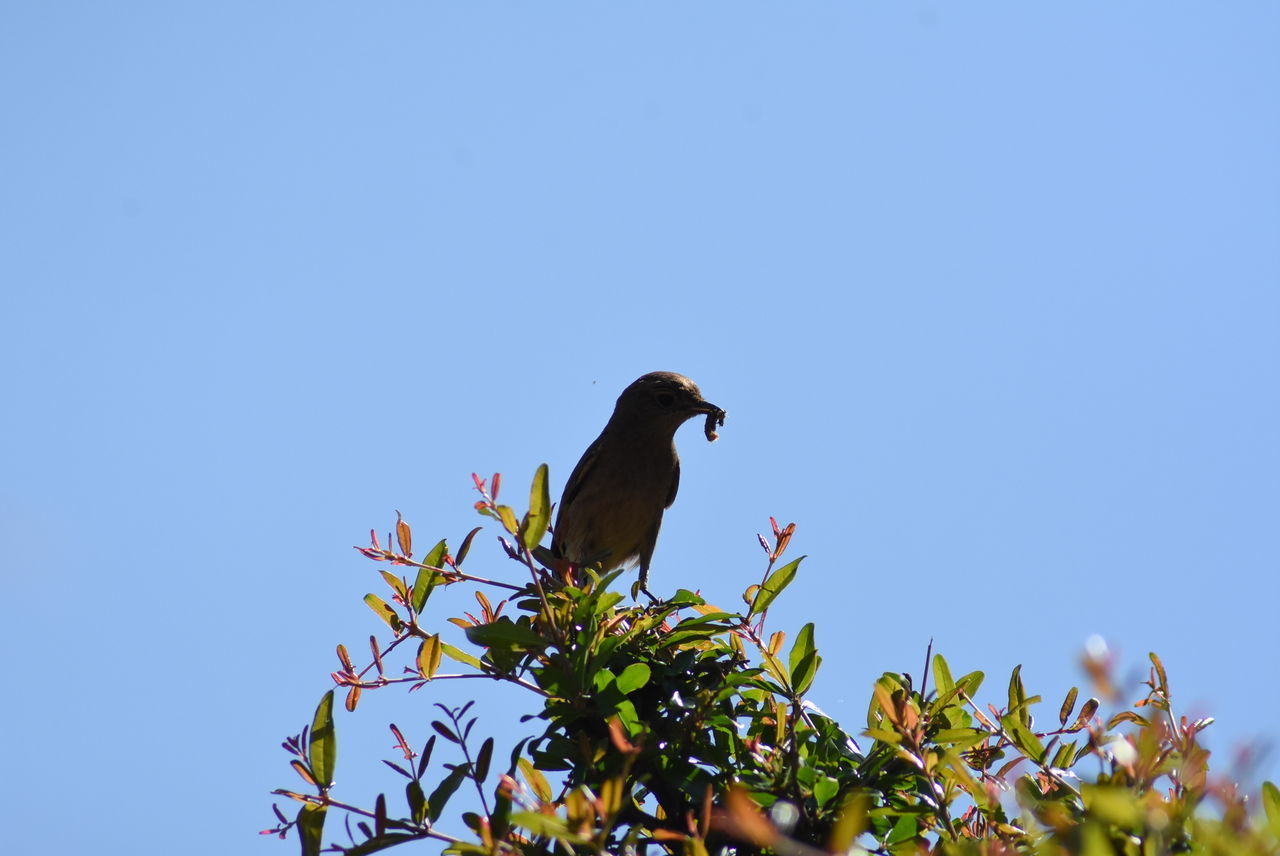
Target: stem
<point x="466" y="753"/>
<point x="455" y="574"/>
<point x="414" y="679"/>
<point x="329" y="802"/>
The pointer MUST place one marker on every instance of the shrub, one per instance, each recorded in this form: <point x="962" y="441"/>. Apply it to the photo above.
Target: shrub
<point x="686" y="729"/>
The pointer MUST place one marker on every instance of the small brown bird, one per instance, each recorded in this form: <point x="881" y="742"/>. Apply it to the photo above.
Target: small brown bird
<point x="612" y="505"/>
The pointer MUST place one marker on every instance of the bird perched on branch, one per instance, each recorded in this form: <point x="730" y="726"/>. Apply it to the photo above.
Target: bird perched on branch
<point x="612" y="505"/>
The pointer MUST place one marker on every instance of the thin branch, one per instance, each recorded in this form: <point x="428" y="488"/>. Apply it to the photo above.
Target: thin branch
<point x="418" y="679"/>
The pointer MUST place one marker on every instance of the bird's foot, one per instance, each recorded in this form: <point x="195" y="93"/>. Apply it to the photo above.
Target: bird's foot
<point x="638" y="588"/>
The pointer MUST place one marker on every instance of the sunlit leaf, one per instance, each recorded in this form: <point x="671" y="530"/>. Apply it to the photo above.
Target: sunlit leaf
<point x="773" y="586"/>
<point x="384" y="611"/>
<point x="905" y="829"/>
<point x="1023" y="737"/>
<point x="396" y="584"/>
<point x="508" y="518"/>
<point x="427" y="578"/>
<point x="545" y="825"/>
<point x="942" y="675"/>
<point x="804" y="659"/>
<point x="959" y="738"/>
<point x="1068" y="704"/>
<point x="323" y="748"/>
<point x="404" y="536"/>
<point x="460" y="656"/>
<point x="1162" y="680"/>
<point x="302" y="771"/>
<point x="539" y="517"/>
<point x="429" y="652"/>
<point x="850" y="823"/>
<point x="1018" y="695"/>
<point x="633" y="677"/>
<point x="505" y="632"/>
<point x="311" y="828"/>
<point x="1112" y="804"/>
<point x="1271" y="804"/>
<point x="774" y="667"/>
<point x="417" y="801"/>
<point x="971" y="682"/>
<point x="537" y="782"/>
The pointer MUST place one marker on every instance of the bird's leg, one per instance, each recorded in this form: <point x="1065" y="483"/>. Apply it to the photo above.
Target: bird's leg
<point x="642" y="585"/>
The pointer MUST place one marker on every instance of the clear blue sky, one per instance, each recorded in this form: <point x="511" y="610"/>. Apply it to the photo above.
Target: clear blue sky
<point x="991" y="294"/>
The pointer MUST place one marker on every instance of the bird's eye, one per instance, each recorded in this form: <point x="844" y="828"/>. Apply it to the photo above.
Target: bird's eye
<point x="666" y="399"/>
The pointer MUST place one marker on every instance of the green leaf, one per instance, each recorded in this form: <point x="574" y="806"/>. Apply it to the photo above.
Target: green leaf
<point x="773" y="666"/>
<point x="508" y="518"/>
<point x="627" y="715"/>
<point x="904" y="830"/>
<point x="505" y="633"/>
<point x="684" y="597"/>
<point x="428" y="579"/>
<point x="539" y="517"/>
<point x="851" y="823"/>
<point x="804" y="659"/>
<point x="460" y="656"/>
<point x="384" y="611"/>
<point x="547" y="826"/>
<point x="824" y="789"/>
<point x="606" y="601"/>
<point x="959" y="738"/>
<point x="1064" y="757"/>
<point x="971" y="682"/>
<point x="396" y="584"/>
<point x="773" y="586"/>
<point x="633" y="677"/>
<point x="1112" y="804"/>
<point x="942" y="675"/>
<point x="382" y="842"/>
<point x="1017" y="694"/>
<point x="417" y="801"/>
<point x="537" y="782"/>
<point x="1023" y="737"/>
<point x="466" y="546"/>
<point x="428" y="660"/>
<point x="311" y="827"/>
<point x="435" y="556"/>
<point x="447" y="788"/>
<point x="463" y="848"/>
<point x="602" y="679"/>
<point x="1271" y="803"/>
<point x="323" y="748"/>
<point x="483" y="759"/>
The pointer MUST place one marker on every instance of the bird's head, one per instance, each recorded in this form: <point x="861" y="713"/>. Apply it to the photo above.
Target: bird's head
<point x="664" y="398"/>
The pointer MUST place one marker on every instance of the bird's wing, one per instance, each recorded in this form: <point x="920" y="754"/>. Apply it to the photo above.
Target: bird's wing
<point x="675" y="484"/>
<point x="578" y="477"/>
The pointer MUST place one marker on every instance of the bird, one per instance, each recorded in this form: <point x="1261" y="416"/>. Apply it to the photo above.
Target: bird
<point x="612" y="505"/>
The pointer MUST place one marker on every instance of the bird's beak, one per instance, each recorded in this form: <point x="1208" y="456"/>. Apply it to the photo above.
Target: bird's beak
<point x="715" y="416"/>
